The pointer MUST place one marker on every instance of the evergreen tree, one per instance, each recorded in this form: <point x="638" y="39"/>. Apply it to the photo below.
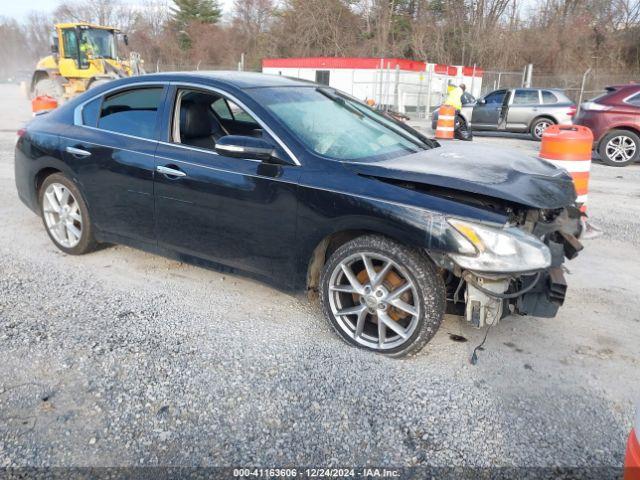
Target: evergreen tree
<point x="187" y="11"/>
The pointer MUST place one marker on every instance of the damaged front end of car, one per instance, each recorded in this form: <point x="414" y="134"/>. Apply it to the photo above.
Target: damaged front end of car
<point x="516" y="268"/>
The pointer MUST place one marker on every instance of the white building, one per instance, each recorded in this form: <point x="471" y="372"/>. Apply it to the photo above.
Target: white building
<point x="404" y="85"/>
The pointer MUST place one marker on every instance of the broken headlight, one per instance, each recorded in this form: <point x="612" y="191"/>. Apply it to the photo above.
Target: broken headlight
<point x="498" y="250"/>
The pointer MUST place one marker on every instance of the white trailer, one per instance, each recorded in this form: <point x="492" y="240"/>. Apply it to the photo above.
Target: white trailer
<point x="407" y="86"/>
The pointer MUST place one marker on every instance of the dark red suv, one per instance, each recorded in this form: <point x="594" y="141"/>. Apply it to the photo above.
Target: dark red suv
<point x="614" y="119"/>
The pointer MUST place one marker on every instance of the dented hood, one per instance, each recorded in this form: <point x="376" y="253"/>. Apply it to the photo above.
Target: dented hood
<point x="491" y="171"/>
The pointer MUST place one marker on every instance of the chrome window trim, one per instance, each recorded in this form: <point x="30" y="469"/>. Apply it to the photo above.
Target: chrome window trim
<point x="77" y="113"/>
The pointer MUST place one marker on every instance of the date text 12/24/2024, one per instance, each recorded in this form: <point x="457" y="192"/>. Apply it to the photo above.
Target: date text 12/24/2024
<point x="315" y="473"/>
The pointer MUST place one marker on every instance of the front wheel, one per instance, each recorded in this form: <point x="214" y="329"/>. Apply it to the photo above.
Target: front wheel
<point x="380" y="295"/>
<point x="539" y="126"/>
<point x="619" y="148"/>
<point x="65" y="215"/>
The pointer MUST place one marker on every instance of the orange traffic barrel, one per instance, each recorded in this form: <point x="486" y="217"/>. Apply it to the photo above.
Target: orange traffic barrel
<point x="43" y="103"/>
<point x="569" y="147"/>
<point x="446" y="122"/>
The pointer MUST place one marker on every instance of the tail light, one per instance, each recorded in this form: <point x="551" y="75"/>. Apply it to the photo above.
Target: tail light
<point x="572" y="111"/>
<point x="20" y="133"/>
<point x="594" y="106"/>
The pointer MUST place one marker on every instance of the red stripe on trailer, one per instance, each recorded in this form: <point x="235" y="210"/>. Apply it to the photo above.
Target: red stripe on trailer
<point x="344" y="62"/>
<point x="449" y="70"/>
<point x="469" y="72"/>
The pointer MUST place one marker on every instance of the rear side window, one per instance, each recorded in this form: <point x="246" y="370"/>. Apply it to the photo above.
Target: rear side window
<point x="548" y="97"/>
<point x="91" y="112"/>
<point x="635" y="100"/>
<point x="133" y="112"/>
<point x="526" y="97"/>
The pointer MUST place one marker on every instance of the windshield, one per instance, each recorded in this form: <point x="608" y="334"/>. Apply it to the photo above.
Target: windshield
<point x="97" y="43"/>
<point x="335" y="126"/>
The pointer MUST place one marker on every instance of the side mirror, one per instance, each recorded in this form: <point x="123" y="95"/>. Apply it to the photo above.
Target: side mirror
<point x="54" y="47"/>
<point x="125" y="39"/>
<point x="481" y="101"/>
<point x="240" y="146"/>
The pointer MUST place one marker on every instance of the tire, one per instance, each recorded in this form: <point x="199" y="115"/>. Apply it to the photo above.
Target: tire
<point x="538" y="127"/>
<point x="62" y="234"/>
<point x="46" y="86"/>
<point x="619" y="148"/>
<point x="424" y="296"/>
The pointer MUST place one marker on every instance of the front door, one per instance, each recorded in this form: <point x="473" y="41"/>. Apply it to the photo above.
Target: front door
<point x="486" y="114"/>
<point x="234" y="211"/>
<point x="111" y="148"/>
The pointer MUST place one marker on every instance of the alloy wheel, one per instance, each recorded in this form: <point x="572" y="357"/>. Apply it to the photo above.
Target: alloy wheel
<point x="540" y="128"/>
<point x="62" y="215"/>
<point x="620" y="149"/>
<point x="374" y="300"/>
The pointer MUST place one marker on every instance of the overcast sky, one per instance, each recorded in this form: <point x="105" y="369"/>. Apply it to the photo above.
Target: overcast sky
<point x="19" y="9"/>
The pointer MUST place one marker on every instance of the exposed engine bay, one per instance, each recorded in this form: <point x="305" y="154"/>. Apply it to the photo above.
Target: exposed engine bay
<point x="485" y="298"/>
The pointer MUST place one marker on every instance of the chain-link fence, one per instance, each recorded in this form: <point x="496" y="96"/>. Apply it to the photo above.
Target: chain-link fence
<point x="572" y="83"/>
<point x="417" y="94"/>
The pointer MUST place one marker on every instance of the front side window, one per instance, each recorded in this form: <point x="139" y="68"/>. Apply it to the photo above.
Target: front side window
<point x="526" y="97"/>
<point x="201" y="118"/>
<point x="133" y="112"/>
<point x="495" y="98"/>
<point x="335" y="126"/>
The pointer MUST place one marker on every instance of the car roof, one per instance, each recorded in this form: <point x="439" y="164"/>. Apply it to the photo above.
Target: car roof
<point x="236" y="79"/>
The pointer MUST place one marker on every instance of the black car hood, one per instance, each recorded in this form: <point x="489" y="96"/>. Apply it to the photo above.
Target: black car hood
<point x="480" y="169"/>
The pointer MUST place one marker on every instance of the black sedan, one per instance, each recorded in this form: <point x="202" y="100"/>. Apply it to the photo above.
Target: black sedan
<point x="304" y="187"/>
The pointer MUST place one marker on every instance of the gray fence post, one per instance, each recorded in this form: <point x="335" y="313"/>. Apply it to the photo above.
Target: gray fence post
<point x="584" y="80"/>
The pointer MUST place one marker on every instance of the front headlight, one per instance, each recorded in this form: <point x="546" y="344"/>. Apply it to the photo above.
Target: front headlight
<point x="498" y="250"/>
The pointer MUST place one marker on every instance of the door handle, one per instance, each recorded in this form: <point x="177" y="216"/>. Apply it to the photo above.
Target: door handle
<point x="172" y="172"/>
<point x="78" y="152"/>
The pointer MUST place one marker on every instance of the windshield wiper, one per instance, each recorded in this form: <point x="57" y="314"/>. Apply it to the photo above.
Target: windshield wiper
<point x="341" y="101"/>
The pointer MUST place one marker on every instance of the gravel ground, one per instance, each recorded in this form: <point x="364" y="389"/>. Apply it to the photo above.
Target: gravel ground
<point x="122" y="358"/>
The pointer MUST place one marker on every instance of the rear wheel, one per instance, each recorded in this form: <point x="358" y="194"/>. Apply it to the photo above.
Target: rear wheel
<point x="380" y="295"/>
<point x="539" y="126"/>
<point x="65" y="215"/>
<point x="619" y="148"/>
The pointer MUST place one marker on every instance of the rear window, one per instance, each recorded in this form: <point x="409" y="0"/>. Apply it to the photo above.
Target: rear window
<point x="133" y="112"/>
<point x="548" y="97"/>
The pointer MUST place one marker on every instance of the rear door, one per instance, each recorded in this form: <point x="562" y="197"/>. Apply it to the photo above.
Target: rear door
<point x="111" y="148"/>
<point x="523" y="108"/>
<point x="486" y="115"/>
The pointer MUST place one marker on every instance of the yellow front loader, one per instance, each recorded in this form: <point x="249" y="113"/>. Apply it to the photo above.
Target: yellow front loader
<point x="82" y="56"/>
